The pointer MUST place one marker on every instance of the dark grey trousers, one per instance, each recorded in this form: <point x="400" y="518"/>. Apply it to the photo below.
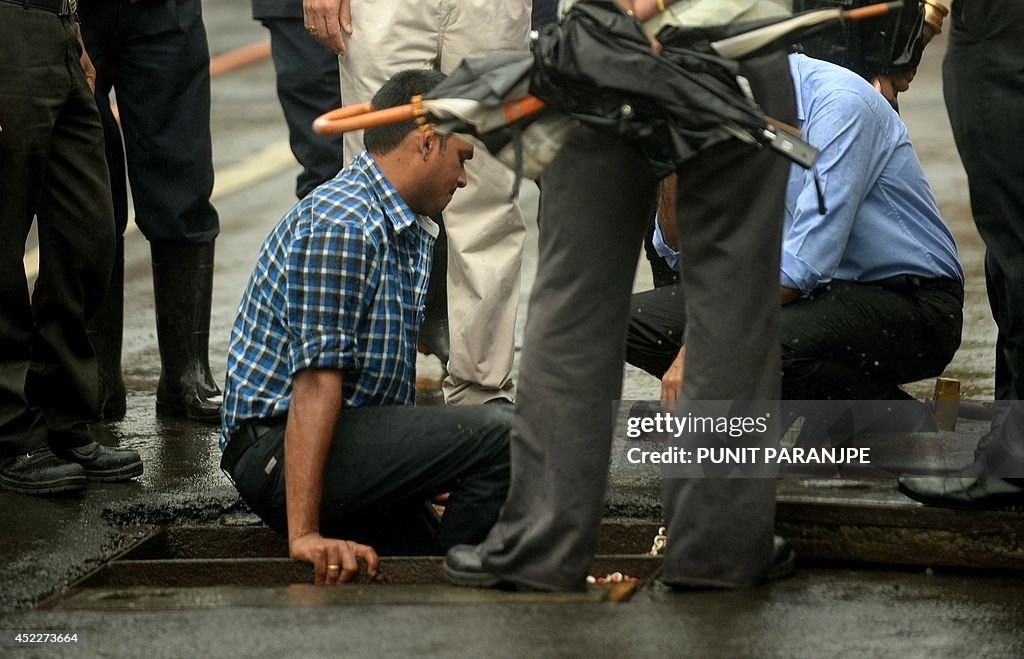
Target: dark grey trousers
<point x="598" y="196"/>
<point x="983" y="75"/>
<point x="51" y="168"/>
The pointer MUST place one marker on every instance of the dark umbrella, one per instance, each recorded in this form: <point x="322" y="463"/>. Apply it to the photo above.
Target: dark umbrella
<point x="597" y="67"/>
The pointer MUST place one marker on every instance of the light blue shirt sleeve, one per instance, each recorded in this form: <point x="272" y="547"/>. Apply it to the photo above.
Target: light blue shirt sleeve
<point x="844" y="128"/>
<point x="881" y="219"/>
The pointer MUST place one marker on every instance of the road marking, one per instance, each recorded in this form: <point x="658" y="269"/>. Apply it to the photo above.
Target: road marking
<point x="266" y="163"/>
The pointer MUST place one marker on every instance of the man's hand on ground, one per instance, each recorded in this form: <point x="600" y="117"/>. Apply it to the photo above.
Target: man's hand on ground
<point x="672" y="382"/>
<point x="326" y="20"/>
<point x="334" y="561"/>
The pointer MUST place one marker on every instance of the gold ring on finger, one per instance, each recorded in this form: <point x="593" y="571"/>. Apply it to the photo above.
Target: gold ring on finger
<point x="311" y="29"/>
<point x="333" y="568"/>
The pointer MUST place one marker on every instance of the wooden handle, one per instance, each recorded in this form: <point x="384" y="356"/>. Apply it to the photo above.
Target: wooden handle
<point x="870" y="11"/>
<point x="523" y="107"/>
<point x="347" y="111"/>
<point x="325" y="124"/>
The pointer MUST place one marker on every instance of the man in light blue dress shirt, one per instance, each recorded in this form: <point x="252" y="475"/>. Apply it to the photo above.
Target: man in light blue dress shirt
<point x="871" y="288"/>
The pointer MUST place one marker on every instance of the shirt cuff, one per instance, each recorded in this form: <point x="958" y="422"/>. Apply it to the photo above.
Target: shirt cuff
<point x="670" y="255"/>
<point x="797" y="274"/>
<point x="322" y="352"/>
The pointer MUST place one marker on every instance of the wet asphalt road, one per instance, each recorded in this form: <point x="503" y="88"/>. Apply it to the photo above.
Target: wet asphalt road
<point x="47" y="543"/>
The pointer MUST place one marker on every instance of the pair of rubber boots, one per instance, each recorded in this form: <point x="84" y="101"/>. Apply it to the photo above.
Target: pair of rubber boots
<point x="183" y="291"/>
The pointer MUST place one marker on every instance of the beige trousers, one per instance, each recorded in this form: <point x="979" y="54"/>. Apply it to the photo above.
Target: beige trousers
<point x="485" y="228"/>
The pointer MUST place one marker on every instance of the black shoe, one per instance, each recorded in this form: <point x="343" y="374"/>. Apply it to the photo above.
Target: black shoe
<point x="102" y="463"/>
<point x="463" y="567"/>
<point x="783" y="560"/>
<point x="963" y="492"/>
<point x="41" y="472"/>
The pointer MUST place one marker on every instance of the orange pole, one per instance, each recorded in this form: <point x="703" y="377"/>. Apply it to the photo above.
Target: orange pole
<point x="522" y="108"/>
<point x="326" y="126"/>
<point x="239" y="57"/>
<point x="870" y="11"/>
<point x="346" y="112"/>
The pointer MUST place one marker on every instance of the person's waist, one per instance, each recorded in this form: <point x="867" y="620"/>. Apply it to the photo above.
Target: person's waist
<point x="242" y="439"/>
<point x="59" y="7"/>
<point x="918" y="282"/>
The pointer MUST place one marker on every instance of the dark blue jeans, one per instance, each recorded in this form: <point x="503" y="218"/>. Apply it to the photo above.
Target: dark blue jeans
<point x="155" y="57"/>
<point x="384" y="466"/>
<point x="308" y="85"/>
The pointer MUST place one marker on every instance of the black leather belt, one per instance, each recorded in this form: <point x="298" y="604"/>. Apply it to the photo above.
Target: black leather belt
<point x="907" y="283"/>
<point x="241" y="440"/>
<point x="59" y="7"/>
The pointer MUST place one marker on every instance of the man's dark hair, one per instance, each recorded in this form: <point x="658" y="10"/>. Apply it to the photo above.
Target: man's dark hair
<point x="398" y="90"/>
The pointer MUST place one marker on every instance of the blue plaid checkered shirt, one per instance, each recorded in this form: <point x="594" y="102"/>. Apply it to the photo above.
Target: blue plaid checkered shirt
<point x="339" y="283"/>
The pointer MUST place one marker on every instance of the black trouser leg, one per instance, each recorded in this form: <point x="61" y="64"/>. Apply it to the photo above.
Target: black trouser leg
<point x="106" y="328"/>
<point x="851" y="341"/>
<point x="51" y="155"/>
<point x="27" y="121"/>
<point x="657" y="323"/>
<point x="155" y="54"/>
<point x="385" y="463"/>
<point x="308" y="85"/>
<point x="983" y="74"/>
<point x="730" y="203"/>
<point x="847" y="341"/>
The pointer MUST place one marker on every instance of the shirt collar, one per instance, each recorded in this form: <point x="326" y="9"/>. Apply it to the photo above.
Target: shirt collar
<point x="398" y="213"/>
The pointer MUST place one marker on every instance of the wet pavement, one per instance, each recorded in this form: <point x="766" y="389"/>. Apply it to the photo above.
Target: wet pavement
<point x="834" y="606"/>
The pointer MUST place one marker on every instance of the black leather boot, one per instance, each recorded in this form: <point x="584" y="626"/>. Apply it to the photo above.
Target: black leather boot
<point x="434" y="338"/>
<point x="183" y="288"/>
<point x="106" y="330"/>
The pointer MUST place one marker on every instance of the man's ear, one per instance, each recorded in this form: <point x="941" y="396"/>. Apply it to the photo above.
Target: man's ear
<point x="430" y="142"/>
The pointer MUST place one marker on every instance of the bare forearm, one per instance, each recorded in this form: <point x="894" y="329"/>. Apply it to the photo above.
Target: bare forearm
<point x="667" y="211"/>
<point x="316" y="402"/>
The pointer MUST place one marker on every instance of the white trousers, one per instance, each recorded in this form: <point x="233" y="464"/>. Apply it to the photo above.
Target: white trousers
<point x="485" y="228"/>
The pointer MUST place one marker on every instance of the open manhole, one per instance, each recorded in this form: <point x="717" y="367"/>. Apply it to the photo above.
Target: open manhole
<point x="215" y="567"/>
<point x="833" y="521"/>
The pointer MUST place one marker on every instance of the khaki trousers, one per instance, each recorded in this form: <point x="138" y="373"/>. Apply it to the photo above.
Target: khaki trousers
<point x="485" y="227"/>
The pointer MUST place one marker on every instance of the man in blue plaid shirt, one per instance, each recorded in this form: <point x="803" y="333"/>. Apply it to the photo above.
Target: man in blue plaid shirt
<point x="319" y="432"/>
